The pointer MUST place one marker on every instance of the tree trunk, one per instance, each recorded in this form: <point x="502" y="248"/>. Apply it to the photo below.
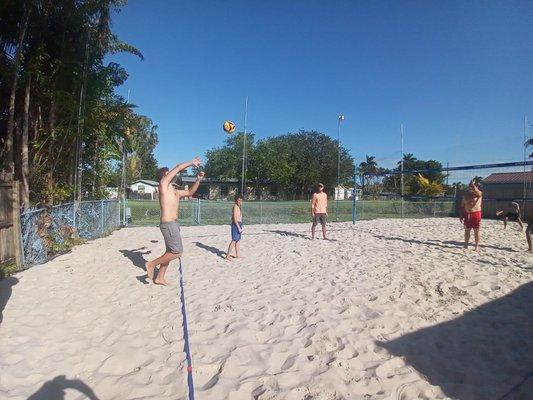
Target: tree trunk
<point x="11" y="118"/>
<point x="25" y="168"/>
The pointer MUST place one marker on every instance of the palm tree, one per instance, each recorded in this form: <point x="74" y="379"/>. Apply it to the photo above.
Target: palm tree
<point x="528" y="143"/>
<point x="370" y="166"/>
<point x="408" y="161"/>
<point x="428" y="188"/>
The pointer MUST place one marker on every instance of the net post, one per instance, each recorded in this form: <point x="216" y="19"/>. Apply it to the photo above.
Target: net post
<point x="102" y="217"/>
<point x="354" y="210"/>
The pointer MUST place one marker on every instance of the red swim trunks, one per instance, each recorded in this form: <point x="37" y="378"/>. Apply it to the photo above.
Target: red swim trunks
<point x="473" y="220"/>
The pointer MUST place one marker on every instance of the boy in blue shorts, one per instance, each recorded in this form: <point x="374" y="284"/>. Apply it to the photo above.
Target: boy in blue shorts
<point x="236" y="228"/>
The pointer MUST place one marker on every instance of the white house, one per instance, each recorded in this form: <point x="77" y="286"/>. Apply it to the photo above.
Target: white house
<point x="144" y="189"/>
<point x="112" y="192"/>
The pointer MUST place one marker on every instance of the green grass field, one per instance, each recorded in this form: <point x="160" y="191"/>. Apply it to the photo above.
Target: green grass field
<point x="146" y="213"/>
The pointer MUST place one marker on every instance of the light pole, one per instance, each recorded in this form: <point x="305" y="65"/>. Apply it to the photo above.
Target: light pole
<point x="243" y="181"/>
<point x="401" y="159"/>
<point x="338" y="188"/>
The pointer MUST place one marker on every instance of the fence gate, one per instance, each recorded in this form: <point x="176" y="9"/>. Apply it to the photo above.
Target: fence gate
<point x="10" y="248"/>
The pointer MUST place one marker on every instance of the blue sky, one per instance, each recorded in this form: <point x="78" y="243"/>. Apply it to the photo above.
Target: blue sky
<point x="458" y="75"/>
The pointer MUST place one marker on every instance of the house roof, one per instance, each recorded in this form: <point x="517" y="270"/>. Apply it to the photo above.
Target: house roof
<point x="146" y="181"/>
<point x="509" y="177"/>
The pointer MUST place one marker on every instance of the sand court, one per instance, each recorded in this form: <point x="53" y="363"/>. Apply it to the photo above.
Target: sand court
<point x="386" y="309"/>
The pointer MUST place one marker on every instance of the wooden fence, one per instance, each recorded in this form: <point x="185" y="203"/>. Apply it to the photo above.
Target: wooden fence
<point x="10" y="247"/>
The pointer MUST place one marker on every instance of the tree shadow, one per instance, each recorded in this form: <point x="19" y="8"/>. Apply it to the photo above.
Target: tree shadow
<point x="211" y="249"/>
<point x="137" y="259"/>
<point x="6" y="288"/>
<point x="55" y="389"/>
<point x="487" y="246"/>
<point x="486" y="354"/>
<point x="288" y="233"/>
<point x="447" y="244"/>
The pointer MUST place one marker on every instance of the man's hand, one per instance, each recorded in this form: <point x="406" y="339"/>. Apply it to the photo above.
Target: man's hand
<point x="200" y="175"/>
<point x="196" y="162"/>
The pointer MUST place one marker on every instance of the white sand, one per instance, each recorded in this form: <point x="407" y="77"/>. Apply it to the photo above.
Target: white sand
<point x="388" y="310"/>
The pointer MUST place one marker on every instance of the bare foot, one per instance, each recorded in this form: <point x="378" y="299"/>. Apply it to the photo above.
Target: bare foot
<point x="476" y="249"/>
<point x="228" y="258"/>
<point x="149" y="270"/>
<point x="239" y="258"/>
<point x="163" y="282"/>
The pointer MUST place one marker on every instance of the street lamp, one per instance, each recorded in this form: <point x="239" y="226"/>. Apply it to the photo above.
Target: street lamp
<point x="337" y="190"/>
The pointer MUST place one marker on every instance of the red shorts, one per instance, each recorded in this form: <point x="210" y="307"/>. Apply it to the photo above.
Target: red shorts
<point x="473" y="220"/>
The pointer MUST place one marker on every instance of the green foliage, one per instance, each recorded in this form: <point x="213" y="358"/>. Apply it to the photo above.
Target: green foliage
<point x="428" y="183"/>
<point x="62" y="55"/>
<point x="295" y="162"/>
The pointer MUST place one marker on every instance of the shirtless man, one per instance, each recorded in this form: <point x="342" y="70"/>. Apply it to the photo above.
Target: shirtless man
<point x="512" y="213"/>
<point x="319" y="210"/>
<point x="169" y="202"/>
<point x="471" y="212"/>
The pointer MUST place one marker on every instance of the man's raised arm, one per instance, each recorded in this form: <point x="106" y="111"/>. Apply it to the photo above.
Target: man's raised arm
<point x="475" y="189"/>
<point x="180" y="167"/>
<point x="194" y="187"/>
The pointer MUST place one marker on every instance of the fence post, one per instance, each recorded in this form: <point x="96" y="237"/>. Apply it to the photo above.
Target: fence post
<point x="260" y="212"/>
<point x="434" y="207"/>
<point x="198" y="211"/>
<point x="354" y="210"/>
<point x="16" y="224"/>
<point x="102" y="216"/>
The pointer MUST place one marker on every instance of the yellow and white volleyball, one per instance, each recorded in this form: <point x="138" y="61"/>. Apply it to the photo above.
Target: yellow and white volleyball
<point x="228" y="126"/>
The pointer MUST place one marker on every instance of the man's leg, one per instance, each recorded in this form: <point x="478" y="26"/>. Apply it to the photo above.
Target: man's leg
<point x="467" y="237"/>
<point x="528" y="238"/>
<point x="237" y="249"/>
<point x="313" y="230"/>
<point x="160" y="280"/>
<point x="324" y="231"/>
<point x="164" y="259"/>
<point x="476" y="237"/>
<point x="519" y="220"/>
<point x="228" y="254"/>
<point x="505" y="223"/>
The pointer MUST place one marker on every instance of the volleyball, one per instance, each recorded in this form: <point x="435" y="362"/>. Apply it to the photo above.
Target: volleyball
<point x="228" y="126"/>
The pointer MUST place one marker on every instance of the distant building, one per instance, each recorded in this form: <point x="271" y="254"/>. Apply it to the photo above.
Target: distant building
<point x="143" y="189"/>
<point x="346" y="193"/>
<point x="501" y="188"/>
<point x="112" y="192"/>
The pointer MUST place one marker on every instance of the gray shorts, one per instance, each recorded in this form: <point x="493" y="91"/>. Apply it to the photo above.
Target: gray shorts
<point x="171" y="234"/>
<point x="319" y="218"/>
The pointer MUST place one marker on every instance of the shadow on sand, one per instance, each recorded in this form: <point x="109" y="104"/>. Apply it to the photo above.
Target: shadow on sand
<point x="55" y="389"/>
<point x="6" y="288"/>
<point x="289" y="233"/>
<point x="447" y="244"/>
<point x="486" y="354"/>
<point x="136" y="256"/>
<point x="211" y="249"/>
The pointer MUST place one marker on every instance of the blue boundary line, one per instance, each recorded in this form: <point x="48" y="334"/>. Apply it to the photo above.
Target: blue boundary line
<point x="186" y="346"/>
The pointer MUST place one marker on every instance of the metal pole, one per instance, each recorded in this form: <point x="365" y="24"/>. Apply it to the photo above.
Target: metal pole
<point x="525" y="158"/>
<point x="243" y="181"/>
<point x="341" y="118"/>
<point x="401" y="167"/>
<point x="354" y="210"/>
<point x="102" y="216"/>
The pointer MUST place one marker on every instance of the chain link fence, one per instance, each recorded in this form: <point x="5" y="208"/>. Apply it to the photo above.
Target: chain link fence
<point x="47" y="232"/>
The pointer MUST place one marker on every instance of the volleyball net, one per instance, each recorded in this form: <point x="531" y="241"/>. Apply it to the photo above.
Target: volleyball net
<point x="424" y="193"/>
